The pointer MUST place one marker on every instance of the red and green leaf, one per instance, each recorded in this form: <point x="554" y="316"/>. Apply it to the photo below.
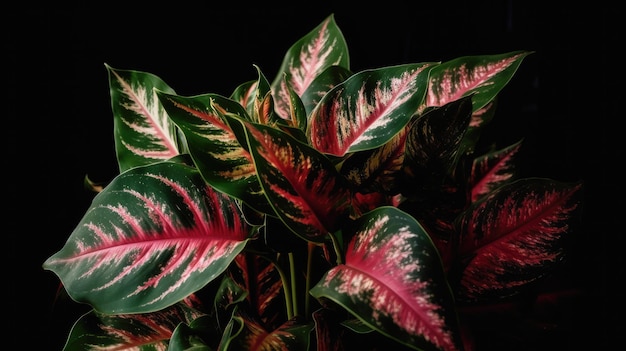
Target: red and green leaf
<point x="393" y="280"/>
<point x="368" y="109"/>
<point x="142" y="130"/>
<point x="144" y="247"/>
<point x="254" y="336"/>
<point x="515" y="236"/>
<point x="223" y="162"/>
<point x="492" y="170"/>
<point x="304" y="187"/>
<point x="321" y="48"/>
<point x="481" y="76"/>
<point x="148" y="331"/>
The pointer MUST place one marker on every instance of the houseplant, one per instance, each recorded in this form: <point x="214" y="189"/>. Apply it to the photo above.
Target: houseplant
<point x="322" y="209"/>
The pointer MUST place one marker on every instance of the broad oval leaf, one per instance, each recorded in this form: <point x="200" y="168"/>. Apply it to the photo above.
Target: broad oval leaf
<point x="393" y="280"/>
<point x="152" y="237"/>
<point x="321" y="48"/>
<point x="142" y="130"/>
<point x="304" y="187"/>
<point x="515" y="235"/>
<point x="482" y="76"/>
<point x="149" y="331"/>
<point x="367" y="109"/>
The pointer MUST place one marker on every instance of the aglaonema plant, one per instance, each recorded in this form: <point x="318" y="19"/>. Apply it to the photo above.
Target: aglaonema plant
<point x="321" y="210"/>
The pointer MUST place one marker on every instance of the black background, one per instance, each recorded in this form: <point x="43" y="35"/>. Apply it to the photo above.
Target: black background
<point x="563" y="100"/>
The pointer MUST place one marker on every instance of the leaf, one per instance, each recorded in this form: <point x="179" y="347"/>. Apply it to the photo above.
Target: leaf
<point x="481" y="76"/>
<point x="150" y="331"/>
<point x="142" y="130"/>
<point x="492" y="170"/>
<point x="307" y="58"/>
<point x="303" y="186"/>
<point x="393" y="280"/>
<point x="514" y="236"/>
<point x="152" y="237"/>
<point x="367" y="109"/>
<point x="223" y="162"/>
<point x="291" y="335"/>
<point x="322" y="84"/>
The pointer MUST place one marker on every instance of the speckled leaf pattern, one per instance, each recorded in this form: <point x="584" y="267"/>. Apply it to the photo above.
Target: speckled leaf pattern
<point x="368" y="109"/>
<point x="483" y="76"/>
<point x="143" y="132"/>
<point x="492" y="170"/>
<point x="321" y="48"/>
<point x="214" y="146"/>
<point x="125" y="332"/>
<point x="393" y="280"/>
<point x="515" y="234"/>
<point x="303" y="186"/>
<point x="146" y="247"/>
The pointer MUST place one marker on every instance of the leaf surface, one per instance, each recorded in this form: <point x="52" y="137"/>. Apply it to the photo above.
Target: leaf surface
<point x="142" y="130"/>
<point x="144" y="247"/>
<point x="515" y="235"/>
<point x="393" y="281"/>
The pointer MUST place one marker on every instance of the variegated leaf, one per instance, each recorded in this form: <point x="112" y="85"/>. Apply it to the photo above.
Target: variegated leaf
<point x="304" y="187"/>
<point x="515" y="236"/>
<point x="195" y="336"/>
<point x="245" y="94"/>
<point x="492" y="170"/>
<point x="223" y="162"/>
<point x="293" y="335"/>
<point x="142" y="130"/>
<point x="322" y="84"/>
<point x="368" y="109"/>
<point x="152" y="237"/>
<point x="128" y="332"/>
<point x="482" y="76"/>
<point x="393" y="281"/>
<point x="321" y="48"/>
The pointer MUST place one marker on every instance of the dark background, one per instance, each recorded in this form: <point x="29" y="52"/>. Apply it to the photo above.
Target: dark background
<point x="563" y="100"/>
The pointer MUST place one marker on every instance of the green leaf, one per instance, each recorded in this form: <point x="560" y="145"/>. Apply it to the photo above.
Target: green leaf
<point x="368" y="109"/>
<point x="304" y="187"/>
<point x="307" y="58"/>
<point x="152" y="237"/>
<point x="142" y="130"/>
<point x="393" y="281"/>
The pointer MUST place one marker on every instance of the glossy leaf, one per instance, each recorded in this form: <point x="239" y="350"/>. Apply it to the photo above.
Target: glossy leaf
<point x="150" y="331"/>
<point x="515" y="235"/>
<point x="144" y="247"/>
<point x="322" y="84"/>
<point x="223" y="162"/>
<point x="142" y="130"/>
<point x="303" y="186"/>
<point x="321" y="48"/>
<point x="482" y="76"/>
<point x="492" y="170"/>
<point x="394" y="282"/>
<point x="368" y="109"/>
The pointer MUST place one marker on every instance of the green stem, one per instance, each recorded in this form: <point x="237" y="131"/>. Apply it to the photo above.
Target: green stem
<point x="337" y="249"/>
<point x="292" y="268"/>
<point x="286" y="290"/>
<point x="309" y="264"/>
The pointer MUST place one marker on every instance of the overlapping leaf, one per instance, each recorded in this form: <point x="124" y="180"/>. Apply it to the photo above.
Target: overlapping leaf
<point x="143" y="132"/>
<point x="368" y="109"/>
<point x="393" y="281"/>
<point x="515" y="235"/>
<point x="482" y="76"/>
<point x="144" y="247"/>
<point x="321" y="48"/>
<point x="96" y="331"/>
<point x="492" y="170"/>
<point x="214" y="146"/>
<point x="303" y="186"/>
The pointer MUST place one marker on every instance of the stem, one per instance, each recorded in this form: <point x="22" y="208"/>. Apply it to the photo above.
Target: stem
<point x="309" y="264"/>
<point x="286" y="290"/>
<point x="292" y="268"/>
<point x="337" y="250"/>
